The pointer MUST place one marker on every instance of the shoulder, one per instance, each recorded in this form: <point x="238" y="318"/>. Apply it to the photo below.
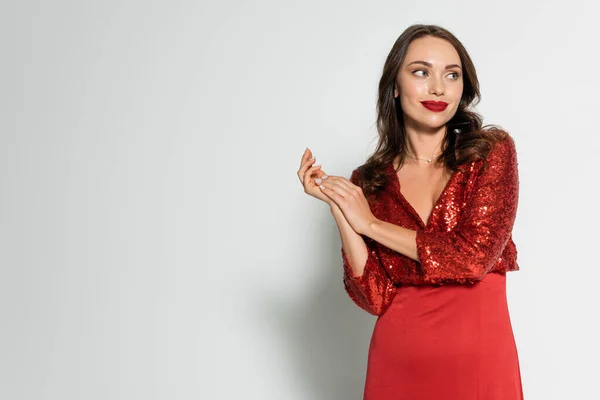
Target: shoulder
<point x="502" y="149"/>
<point x="501" y="162"/>
<point x="369" y="172"/>
<point x="358" y="174"/>
<point x="354" y="177"/>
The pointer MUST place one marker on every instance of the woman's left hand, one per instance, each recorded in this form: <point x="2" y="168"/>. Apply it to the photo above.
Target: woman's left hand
<point x="350" y="199"/>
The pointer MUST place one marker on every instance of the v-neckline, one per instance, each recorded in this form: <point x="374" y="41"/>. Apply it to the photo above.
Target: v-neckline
<point x="398" y="191"/>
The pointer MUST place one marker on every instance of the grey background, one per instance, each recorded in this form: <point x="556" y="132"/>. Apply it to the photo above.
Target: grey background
<point x="155" y="242"/>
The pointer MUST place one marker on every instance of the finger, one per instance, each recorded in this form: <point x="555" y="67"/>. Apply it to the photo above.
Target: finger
<point x="304" y="167"/>
<point x="307" y="177"/>
<point x="344" y="183"/>
<point x="313" y="170"/>
<point x="335" y="184"/>
<point x="319" y="173"/>
<point x="306" y="155"/>
<point x="333" y="195"/>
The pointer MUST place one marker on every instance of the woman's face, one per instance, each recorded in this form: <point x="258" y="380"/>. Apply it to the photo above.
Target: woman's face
<point x="431" y="71"/>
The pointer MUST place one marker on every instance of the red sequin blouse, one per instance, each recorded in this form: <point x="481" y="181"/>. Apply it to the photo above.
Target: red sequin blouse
<point x="469" y="232"/>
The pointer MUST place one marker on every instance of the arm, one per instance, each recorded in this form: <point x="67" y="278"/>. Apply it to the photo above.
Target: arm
<point x="365" y="280"/>
<point x="470" y="251"/>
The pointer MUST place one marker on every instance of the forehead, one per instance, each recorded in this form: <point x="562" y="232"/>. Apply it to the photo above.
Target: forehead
<point x="437" y="51"/>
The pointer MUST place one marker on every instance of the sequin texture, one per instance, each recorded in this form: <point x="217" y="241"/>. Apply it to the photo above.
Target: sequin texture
<point x="468" y="235"/>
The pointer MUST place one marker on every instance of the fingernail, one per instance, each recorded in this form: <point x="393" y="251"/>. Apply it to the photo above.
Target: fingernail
<point x="324" y="177"/>
<point x="318" y="181"/>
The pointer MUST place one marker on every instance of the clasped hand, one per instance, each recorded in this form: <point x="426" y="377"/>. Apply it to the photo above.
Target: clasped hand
<point x="341" y="194"/>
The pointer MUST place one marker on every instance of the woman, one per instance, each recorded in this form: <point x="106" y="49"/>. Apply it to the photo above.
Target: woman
<point x="426" y="229"/>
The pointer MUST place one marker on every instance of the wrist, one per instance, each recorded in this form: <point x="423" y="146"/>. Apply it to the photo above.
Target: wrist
<point x="339" y="217"/>
<point x="335" y="210"/>
<point x="372" y="227"/>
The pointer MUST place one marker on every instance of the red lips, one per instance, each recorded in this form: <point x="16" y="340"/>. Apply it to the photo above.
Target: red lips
<point x="436" y="106"/>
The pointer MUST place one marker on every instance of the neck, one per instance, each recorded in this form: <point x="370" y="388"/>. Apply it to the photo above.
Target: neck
<point x="424" y="145"/>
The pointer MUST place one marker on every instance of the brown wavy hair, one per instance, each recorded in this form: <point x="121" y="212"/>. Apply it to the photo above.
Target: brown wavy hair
<point x="465" y="139"/>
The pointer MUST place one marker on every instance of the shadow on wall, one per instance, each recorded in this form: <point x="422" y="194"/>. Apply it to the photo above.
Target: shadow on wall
<point x="328" y="336"/>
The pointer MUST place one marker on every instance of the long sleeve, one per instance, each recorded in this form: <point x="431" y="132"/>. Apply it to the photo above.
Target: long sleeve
<point x="373" y="291"/>
<point x="467" y="253"/>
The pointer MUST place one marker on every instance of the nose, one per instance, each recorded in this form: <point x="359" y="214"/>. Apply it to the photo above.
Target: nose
<point x="436" y="86"/>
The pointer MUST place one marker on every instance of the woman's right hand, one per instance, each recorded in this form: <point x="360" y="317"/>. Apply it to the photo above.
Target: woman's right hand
<point x="307" y="175"/>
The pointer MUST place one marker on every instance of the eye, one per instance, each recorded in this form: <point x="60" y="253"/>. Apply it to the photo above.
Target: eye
<point x="456" y="74"/>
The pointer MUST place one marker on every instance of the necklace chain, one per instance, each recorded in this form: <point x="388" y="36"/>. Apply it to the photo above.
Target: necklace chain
<point x="429" y="160"/>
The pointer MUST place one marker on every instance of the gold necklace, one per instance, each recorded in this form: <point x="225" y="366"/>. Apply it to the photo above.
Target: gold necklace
<point x="429" y="160"/>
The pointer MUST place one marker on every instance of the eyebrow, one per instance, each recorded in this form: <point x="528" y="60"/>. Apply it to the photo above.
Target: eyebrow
<point x="431" y="66"/>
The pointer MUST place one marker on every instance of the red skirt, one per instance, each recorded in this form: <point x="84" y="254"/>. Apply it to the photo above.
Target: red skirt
<point x="451" y="342"/>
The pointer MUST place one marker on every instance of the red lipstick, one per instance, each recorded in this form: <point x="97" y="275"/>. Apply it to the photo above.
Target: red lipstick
<point x="436" y="106"/>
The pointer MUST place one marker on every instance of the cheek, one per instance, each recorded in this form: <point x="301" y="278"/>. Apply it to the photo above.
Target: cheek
<point x="414" y="89"/>
<point x="412" y="93"/>
<point x="456" y="90"/>
<point x="411" y="87"/>
<point x="456" y="95"/>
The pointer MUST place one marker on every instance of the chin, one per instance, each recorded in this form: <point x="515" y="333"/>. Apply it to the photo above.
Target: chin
<point x="428" y="126"/>
<point x="434" y="123"/>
